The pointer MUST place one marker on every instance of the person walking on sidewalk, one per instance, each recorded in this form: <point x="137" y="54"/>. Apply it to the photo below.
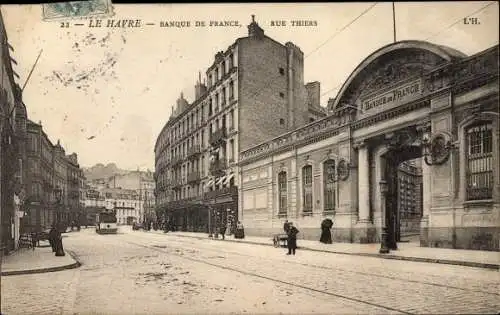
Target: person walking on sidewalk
<point x="223" y="230"/>
<point x="53" y="238"/>
<point x="292" y="239"/>
<point x="34" y="239"/>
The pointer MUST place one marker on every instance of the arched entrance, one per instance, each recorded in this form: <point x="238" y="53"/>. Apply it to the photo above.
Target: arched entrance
<point x="403" y="201"/>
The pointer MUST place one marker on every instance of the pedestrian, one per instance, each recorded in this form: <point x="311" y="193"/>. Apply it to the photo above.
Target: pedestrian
<point x="326" y="235"/>
<point x="286" y="226"/>
<point x="53" y="238"/>
<point x="223" y="231"/>
<point x="240" y="230"/>
<point x="292" y="239"/>
<point x="34" y="239"/>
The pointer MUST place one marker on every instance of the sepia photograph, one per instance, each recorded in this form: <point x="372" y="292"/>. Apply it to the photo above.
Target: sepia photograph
<point x="249" y="158"/>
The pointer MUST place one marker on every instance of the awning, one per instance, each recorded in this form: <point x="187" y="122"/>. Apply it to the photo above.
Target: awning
<point x="228" y="178"/>
<point x="220" y="180"/>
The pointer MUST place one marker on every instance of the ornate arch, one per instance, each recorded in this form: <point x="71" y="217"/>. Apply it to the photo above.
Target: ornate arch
<point x="391" y="63"/>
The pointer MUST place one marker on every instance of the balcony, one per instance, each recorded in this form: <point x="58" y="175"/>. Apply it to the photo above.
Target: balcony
<point x="218" y="167"/>
<point x="193" y="151"/>
<point x="194" y="177"/>
<point x="176" y="183"/>
<point x="218" y="137"/>
<point x="226" y="191"/>
<point x="176" y="160"/>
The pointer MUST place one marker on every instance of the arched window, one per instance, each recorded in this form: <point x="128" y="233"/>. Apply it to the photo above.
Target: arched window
<point x="329" y="185"/>
<point x="479" y="160"/>
<point x="307" y="188"/>
<point x="282" y="208"/>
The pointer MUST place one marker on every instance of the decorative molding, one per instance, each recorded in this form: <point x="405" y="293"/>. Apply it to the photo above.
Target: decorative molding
<point x="359" y="144"/>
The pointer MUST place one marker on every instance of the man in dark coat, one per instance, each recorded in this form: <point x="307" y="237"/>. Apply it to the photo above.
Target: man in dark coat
<point x="286" y="226"/>
<point x="222" y="230"/>
<point x="53" y="238"/>
<point x="292" y="239"/>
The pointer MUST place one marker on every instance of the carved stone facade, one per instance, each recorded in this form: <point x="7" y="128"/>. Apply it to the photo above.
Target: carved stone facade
<point x="415" y="101"/>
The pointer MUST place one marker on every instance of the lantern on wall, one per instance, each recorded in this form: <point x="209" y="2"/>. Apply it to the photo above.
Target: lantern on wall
<point x="436" y="148"/>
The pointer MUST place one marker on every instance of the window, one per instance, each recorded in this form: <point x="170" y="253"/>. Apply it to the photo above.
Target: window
<point x="307" y="188"/>
<point x="223" y="68"/>
<point x="479" y="157"/>
<point x="282" y="121"/>
<point x="311" y="119"/>
<point x="216" y="75"/>
<point x="282" y="71"/>
<point x="223" y="96"/>
<point x="210" y="107"/>
<point x="231" y="120"/>
<point x="231" y="61"/>
<point x="282" y="95"/>
<point x="231" y="90"/>
<point x="231" y="150"/>
<point x="282" y="208"/>
<point x="329" y="185"/>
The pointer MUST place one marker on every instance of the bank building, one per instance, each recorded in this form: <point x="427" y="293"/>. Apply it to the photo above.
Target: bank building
<point x="409" y="144"/>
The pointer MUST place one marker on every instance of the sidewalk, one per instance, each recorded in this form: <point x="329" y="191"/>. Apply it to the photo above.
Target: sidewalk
<point x="406" y="251"/>
<point x="42" y="259"/>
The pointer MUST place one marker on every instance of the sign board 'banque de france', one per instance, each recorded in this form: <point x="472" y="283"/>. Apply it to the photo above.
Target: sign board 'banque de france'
<point x="392" y="98"/>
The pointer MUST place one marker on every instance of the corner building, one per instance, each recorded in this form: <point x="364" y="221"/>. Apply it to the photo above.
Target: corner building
<point x="254" y="91"/>
<point x="410" y="100"/>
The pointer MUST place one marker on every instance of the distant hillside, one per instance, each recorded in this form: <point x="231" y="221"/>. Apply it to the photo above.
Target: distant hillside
<point x="103" y="171"/>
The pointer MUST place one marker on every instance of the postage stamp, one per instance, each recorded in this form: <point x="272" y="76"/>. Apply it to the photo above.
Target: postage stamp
<point x="77" y="9"/>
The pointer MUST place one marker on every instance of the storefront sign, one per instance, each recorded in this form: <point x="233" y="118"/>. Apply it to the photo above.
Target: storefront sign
<point x="395" y="96"/>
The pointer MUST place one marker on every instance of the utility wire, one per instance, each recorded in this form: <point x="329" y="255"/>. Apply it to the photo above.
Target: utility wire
<point x="320" y="46"/>
<point x="435" y="34"/>
<point x="342" y="29"/>
<point x="460" y="20"/>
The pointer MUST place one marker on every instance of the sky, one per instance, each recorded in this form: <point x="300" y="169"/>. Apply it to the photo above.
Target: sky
<point x="106" y="93"/>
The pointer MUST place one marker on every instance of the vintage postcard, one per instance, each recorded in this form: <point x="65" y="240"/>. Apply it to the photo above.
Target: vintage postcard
<point x="251" y="158"/>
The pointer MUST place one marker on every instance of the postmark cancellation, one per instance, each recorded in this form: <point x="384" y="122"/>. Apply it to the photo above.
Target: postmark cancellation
<point x="77" y="9"/>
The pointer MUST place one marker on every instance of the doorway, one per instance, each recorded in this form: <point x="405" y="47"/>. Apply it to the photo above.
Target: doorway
<point x="403" y="174"/>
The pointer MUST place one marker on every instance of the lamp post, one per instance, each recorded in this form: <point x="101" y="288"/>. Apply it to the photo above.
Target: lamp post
<point x="384" y="249"/>
<point x="58" y="241"/>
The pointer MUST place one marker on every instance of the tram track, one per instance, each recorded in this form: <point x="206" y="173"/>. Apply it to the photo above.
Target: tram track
<point x="338" y="269"/>
<point x="276" y="280"/>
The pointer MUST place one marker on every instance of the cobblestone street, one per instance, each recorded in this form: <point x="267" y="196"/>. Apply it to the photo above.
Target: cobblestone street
<point x="147" y="273"/>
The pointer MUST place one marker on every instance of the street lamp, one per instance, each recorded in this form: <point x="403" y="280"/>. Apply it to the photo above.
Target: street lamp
<point x="58" y="196"/>
<point x="437" y="147"/>
<point x="384" y="249"/>
<point x="58" y="241"/>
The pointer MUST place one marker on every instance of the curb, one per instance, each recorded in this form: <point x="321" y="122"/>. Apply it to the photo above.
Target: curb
<point x="74" y="265"/>
<point x="382" y="256"/>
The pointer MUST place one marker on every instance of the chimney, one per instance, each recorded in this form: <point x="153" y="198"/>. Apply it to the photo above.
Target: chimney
<point x="313" y="94"/>
<point x="182" y="104"/>
<point x="254" y="29"/>
<point x="200" y="88"/>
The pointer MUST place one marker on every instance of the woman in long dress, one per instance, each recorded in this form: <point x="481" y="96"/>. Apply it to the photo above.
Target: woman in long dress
<point x="326" y="235"/>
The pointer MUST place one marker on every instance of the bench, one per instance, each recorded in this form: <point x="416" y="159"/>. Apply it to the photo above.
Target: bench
<point x="280" y="240"/>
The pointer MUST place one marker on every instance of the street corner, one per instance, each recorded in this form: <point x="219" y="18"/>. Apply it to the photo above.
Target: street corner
<point x="40" y="260"/>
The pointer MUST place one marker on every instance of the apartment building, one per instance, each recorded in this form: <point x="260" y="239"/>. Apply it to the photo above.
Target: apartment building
<point x="252" y="91"/>
<point x="54" y="182"/>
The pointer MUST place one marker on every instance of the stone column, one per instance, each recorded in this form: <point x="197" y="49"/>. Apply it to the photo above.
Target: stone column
<point x="426" y="203"/>
<point x="364" y="231"/>
<point x="363" y="184"/>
